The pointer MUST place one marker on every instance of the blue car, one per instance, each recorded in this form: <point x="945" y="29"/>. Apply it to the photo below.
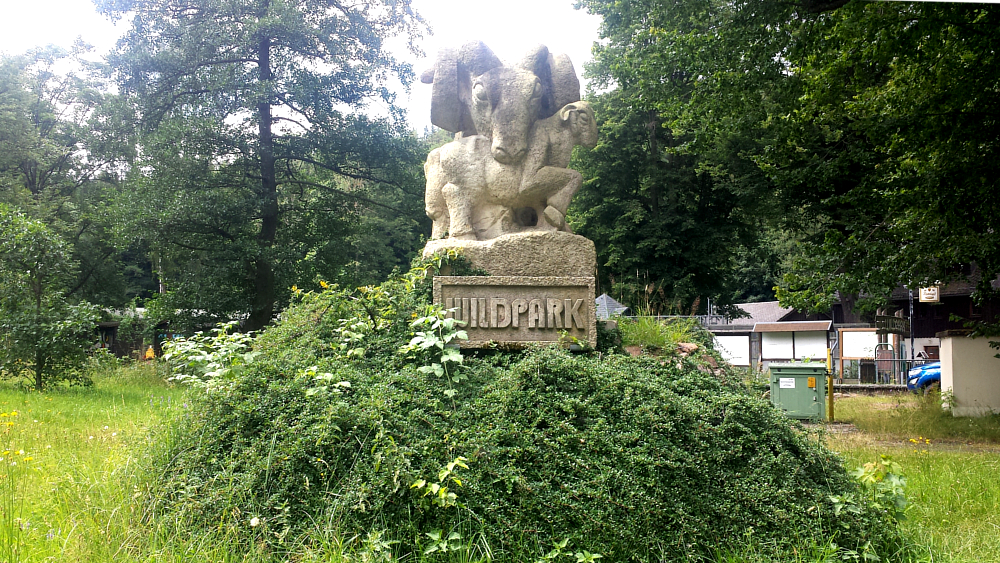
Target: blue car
<point x="919" y="378"/>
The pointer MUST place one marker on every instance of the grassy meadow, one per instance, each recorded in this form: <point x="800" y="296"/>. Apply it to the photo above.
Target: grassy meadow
<point x="952" y="467"/>
<point x="72" y="476"/>
<point x="75" y="478"/>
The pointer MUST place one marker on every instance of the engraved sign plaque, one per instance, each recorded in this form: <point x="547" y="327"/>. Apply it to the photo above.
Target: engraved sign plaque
<point x="519" y="309"/>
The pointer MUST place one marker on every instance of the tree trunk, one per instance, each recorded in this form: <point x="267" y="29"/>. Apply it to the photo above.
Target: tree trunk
<point x="653" y="126"/>
<point x="263" y="271"/>
<point x="847" y="302"/>
<point x="39" y="369"/>
<point x="39" y="353"/>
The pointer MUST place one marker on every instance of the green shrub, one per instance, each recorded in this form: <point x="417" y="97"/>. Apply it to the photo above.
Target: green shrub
<point x="201" y="359"/>
<point x="632" y="458"/>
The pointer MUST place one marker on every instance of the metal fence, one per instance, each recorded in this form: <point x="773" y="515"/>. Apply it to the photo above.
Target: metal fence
<point x="892" y="371"/>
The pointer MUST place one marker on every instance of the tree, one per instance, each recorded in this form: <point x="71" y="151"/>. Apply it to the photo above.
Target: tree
<point x="667" y="234"/>
<point x="865" y="131"/>
<point x="662" y="196"/>
<point x="46" y="119"/>
<point x="42" y="331"/>
<point x="913" y="84"/>
<point x="251" y="168"/>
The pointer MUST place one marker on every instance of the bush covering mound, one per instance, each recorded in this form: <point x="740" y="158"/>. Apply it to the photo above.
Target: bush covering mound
<point x="638" y="459"/>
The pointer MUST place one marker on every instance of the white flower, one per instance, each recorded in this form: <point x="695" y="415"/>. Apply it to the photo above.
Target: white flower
<point x="254" y="522"/>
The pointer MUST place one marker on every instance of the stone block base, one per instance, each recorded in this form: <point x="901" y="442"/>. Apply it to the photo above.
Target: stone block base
<point x="536" y="253"/>
<point x="520" y="310"/>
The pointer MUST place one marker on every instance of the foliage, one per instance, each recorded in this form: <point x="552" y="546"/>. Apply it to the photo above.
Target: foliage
<point x="435" y="345"/>
<point x="555" y="446"/>
<point x="200" y="359"/>
<point x="910" y="81"/>
<point x="48" y="101"/>
<point x="885" y="484"/>
<point x="41" y="331"/>
<point x="667" y="235"/>
<point x="257" y="167"/>
<point x="662" y="335"/>
<point x="863" y="132"/>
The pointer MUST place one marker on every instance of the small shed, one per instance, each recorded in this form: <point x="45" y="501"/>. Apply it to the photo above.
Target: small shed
<point x="607" y="307"/>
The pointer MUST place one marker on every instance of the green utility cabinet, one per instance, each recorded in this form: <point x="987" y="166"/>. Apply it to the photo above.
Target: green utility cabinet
<point x="799" y="389"/>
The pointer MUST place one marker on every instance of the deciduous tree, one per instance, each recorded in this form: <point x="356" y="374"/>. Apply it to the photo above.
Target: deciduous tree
<point x="255" y="159"/>
<point x="41" y="331"/>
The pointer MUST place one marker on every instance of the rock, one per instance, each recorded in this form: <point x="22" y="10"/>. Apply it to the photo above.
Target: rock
<point x="686" y="348"/>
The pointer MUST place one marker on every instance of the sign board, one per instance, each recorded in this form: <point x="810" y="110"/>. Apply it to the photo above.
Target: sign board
<point x="786" y="383"/>
<point x="930" y="294"/>
<point x="892" y="325"/>
<point x="520" y="310"/>
<point x="857" y="344"/>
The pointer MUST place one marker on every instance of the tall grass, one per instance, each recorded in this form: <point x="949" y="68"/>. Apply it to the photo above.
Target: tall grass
<point x="952" y="467"/>
<point x="72" y="469"/>
<point x="954" y="495"/>
<point x="653" y="334"/>
<point x="907" y="415"/>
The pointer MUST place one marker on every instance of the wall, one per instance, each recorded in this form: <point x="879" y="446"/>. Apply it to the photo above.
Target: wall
<point x="972" y="373"/>
<point x="735" y="349"/>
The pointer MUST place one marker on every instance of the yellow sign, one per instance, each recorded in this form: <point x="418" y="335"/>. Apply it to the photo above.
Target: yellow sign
<point x="930" y="294"/>
<point x="811" y="382"/>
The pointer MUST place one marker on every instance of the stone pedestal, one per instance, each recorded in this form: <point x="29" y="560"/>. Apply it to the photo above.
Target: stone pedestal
<point x="540" y="289"/>
<point x="535" y="253"/>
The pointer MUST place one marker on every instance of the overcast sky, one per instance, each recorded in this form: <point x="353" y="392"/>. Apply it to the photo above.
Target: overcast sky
<point x="509" y="28"/>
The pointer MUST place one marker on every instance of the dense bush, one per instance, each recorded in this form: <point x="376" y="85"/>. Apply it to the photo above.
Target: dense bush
<point x="634" y="458"/>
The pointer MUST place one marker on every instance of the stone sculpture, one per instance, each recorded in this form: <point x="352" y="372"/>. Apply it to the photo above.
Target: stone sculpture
<point x="516" y="126"/>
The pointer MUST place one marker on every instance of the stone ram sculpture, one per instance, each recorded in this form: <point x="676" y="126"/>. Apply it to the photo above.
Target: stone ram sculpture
<point x="516" y="126"/>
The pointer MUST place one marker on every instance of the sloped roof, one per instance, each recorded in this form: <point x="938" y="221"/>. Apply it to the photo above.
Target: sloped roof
<point x="606" y="307"/>
<point x="793" y="326"/>
<point x="763" y="312"/>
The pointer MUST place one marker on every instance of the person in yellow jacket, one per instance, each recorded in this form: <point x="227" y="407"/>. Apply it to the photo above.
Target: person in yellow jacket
<point x="150" y="354"/>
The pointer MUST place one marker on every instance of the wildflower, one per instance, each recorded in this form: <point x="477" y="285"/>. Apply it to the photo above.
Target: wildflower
<point x="324" y="285"/>
<point x="91" y="438"/>
<point x="29" y="458"/>
<point x="20" y="452"/>
<point x="113" y="434"/>
<point x="254" y="522"/>
<point x="105" y="427"/>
